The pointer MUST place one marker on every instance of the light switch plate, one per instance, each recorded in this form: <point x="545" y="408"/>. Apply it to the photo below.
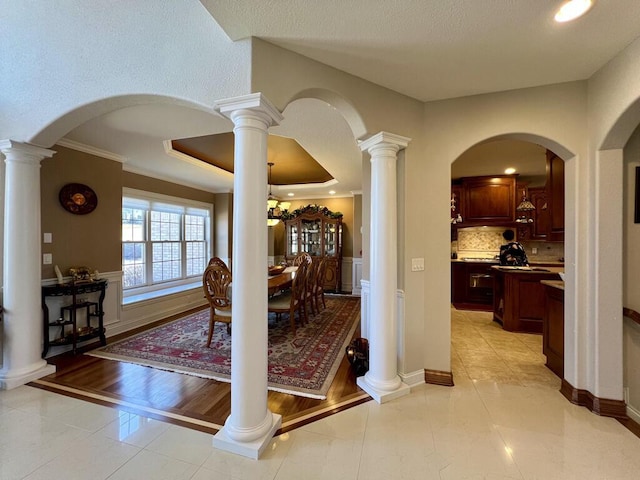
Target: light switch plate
<point x="417" y="264"/>
<point x="47" y="258"/>
<point x="47" y="238"/>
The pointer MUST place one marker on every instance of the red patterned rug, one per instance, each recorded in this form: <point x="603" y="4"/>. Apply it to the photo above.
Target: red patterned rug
<point x="303" y="365"/>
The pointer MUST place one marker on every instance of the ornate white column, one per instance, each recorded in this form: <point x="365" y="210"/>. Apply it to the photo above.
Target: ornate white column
<point x="22" y="274"/>
<point x="250" y="426"/>
<point x="382" y="381"/>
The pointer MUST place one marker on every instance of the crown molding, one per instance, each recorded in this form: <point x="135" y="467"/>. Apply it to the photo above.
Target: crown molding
<point x="81" y="147"/>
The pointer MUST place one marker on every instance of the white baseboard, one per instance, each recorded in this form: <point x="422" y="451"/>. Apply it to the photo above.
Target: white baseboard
<point x="413" y="378"/>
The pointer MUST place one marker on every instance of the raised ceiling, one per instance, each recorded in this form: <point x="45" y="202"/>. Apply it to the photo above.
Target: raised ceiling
<point x="425" y="49"/>
<point x="292" y="164"/>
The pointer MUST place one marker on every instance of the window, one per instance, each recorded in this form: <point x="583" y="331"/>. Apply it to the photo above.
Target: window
<point x="166" y="241"/>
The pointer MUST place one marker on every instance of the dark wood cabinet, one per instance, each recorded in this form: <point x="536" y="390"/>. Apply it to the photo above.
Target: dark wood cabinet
<point x="318" y="232"/>
<point x="66" y="328"/>
<point x="489" y="200"/>
<point x="555" y="197"/>
<point x="553" y="326"/>
<point x="539" y="229"/>
<point x="472" y="285"/>
<point x="518" y="300"/>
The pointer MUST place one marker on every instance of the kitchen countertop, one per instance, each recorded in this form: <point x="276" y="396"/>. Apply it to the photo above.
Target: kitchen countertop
<point x="553" y="283"/>
<point x="491" y="261"/>
<point x="529" y="270"/>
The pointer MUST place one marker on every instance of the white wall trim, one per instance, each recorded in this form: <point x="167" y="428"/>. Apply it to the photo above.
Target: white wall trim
<point x="364" y="308"/>
<point x="346" y="274"/>
<point x="356" y="276"/>
<point x="413" y="378"/>
<point x="81" y="147"/>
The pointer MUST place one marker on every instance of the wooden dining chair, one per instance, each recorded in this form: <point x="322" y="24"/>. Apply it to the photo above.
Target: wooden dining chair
<point x="301" y="257"/>
<point x="293" y="300"/>
<point x="312" y="283"/>
<point x="217" y="261"/>
<point x="215" y="283"/>
<point x="318" y="293"/>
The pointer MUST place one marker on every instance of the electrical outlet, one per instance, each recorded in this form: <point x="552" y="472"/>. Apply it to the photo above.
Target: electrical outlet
<point x="534" y="251"/>
<point x="47" y="258"/>
<point x="47" y="238"/>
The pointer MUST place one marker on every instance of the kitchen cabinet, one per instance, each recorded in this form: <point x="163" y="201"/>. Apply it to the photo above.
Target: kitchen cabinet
<point x="318" y="232"/>
<point x="539" y="229"/>
<point x="553" y="326"/>
<point x="555" y="197"/>
<point x="488" y="200"/>
<point x="518" y="297"/>
<point x="472" y="285"/>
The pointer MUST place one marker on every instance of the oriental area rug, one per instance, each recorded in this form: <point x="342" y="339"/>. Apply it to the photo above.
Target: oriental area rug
<point x="304" y="364"/>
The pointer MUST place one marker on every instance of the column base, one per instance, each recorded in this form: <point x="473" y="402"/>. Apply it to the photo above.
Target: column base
<point x="383" y="396"/>
<point x="252" y="449"/>
<point x="9" y="380"/>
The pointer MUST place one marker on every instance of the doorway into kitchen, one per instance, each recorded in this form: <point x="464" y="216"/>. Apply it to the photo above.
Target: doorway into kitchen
<point x="496" y="186"/>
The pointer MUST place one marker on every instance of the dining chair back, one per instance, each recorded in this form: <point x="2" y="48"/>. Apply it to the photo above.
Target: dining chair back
<point x="294" y="300"/>
<point x="301" y="257"/>
<point x="312" y="283"/>
<point x="318" y="292"/>
<point x="215" y="283"/>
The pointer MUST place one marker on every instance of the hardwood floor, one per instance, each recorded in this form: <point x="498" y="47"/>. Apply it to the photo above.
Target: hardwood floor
<point x="185" y="400"/>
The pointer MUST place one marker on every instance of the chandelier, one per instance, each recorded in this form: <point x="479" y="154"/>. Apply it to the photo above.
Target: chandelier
<point x="275" y="208"/>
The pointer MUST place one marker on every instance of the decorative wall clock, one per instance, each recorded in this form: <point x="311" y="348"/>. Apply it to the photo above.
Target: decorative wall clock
<point x="78" y="199"/>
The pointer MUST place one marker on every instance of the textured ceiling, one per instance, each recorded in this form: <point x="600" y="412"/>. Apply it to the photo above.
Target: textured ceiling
<point x="431" y="49"/>
<point x="426" y="49"/>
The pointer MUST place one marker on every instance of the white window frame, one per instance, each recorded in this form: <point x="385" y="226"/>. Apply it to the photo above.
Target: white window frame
<point x="133" y="198"/>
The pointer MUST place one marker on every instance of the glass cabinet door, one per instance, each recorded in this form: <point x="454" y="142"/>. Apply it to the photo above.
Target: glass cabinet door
<point x="292" y="240"/>
<point x="330" y="238"/>
<point x="311" y="236"/>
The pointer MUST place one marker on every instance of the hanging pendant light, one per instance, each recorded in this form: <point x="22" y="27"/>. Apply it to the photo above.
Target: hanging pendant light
<point x="275" y="208"/>
<point x="526" y="207"/>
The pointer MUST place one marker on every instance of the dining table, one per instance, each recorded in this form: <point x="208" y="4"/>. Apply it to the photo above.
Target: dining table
<point x="281" y="281"/>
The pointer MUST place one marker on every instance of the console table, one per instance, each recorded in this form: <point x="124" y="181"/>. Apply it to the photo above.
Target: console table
<point x="68" y="314"/>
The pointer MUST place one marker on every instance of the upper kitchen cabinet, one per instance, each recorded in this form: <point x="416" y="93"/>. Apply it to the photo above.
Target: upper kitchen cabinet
<point x="489" y="200"/>
<point x="555" y="197"/>
<point x="539" y="229"/>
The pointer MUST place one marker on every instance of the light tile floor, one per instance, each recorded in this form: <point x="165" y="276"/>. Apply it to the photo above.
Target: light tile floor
<point x="504" y="419"/>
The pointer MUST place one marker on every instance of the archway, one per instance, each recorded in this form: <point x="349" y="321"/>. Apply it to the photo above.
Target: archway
<point x="518" y="356"/>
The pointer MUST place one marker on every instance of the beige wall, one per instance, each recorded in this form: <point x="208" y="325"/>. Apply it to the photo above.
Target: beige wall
<point x="94" y="239"/>
<point x="91" y="240"/>
<point x="148" y="184"/>
<point x="223" y="226"/>
<point x="356" y="233"/>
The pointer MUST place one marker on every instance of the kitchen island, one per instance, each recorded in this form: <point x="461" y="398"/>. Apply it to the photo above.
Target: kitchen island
<point x="518" y="297"/>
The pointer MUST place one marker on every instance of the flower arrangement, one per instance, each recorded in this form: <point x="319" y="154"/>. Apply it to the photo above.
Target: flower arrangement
<point x="311" y="208"/>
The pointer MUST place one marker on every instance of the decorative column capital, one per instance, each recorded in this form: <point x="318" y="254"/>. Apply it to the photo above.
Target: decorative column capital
<point x="253" y="104"/>
<point x="23" y="152"/>
<point x="384" y="140"/>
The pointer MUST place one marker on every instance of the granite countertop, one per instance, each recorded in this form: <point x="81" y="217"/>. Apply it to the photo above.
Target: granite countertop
<point x="553" y="283"/>
<point x="532" y="269"/>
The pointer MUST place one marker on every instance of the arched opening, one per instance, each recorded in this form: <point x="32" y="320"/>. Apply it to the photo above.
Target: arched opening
<point x="505" y="183"/>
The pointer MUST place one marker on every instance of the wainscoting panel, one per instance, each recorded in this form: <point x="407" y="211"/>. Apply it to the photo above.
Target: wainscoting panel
<point x="364" y="308"/>
<point x="356" y="274"/>
<point x="346" y="276"/>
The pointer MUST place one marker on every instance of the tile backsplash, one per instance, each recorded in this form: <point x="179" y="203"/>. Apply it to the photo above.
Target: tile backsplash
<point x="484" y="242"/>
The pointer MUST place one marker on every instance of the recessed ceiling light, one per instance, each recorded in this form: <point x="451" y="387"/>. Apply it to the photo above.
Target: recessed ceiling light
<point x="290" y="194"/>
<point x="572" y="10"/>
<point x="332" y="192"/>
<point x="510" y="170"/>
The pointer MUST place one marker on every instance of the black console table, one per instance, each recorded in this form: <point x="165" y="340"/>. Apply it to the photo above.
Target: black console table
<point x="68" y="314"/>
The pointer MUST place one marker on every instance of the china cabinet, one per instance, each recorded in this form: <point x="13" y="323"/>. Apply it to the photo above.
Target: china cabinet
<point x="317" y="231"/>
